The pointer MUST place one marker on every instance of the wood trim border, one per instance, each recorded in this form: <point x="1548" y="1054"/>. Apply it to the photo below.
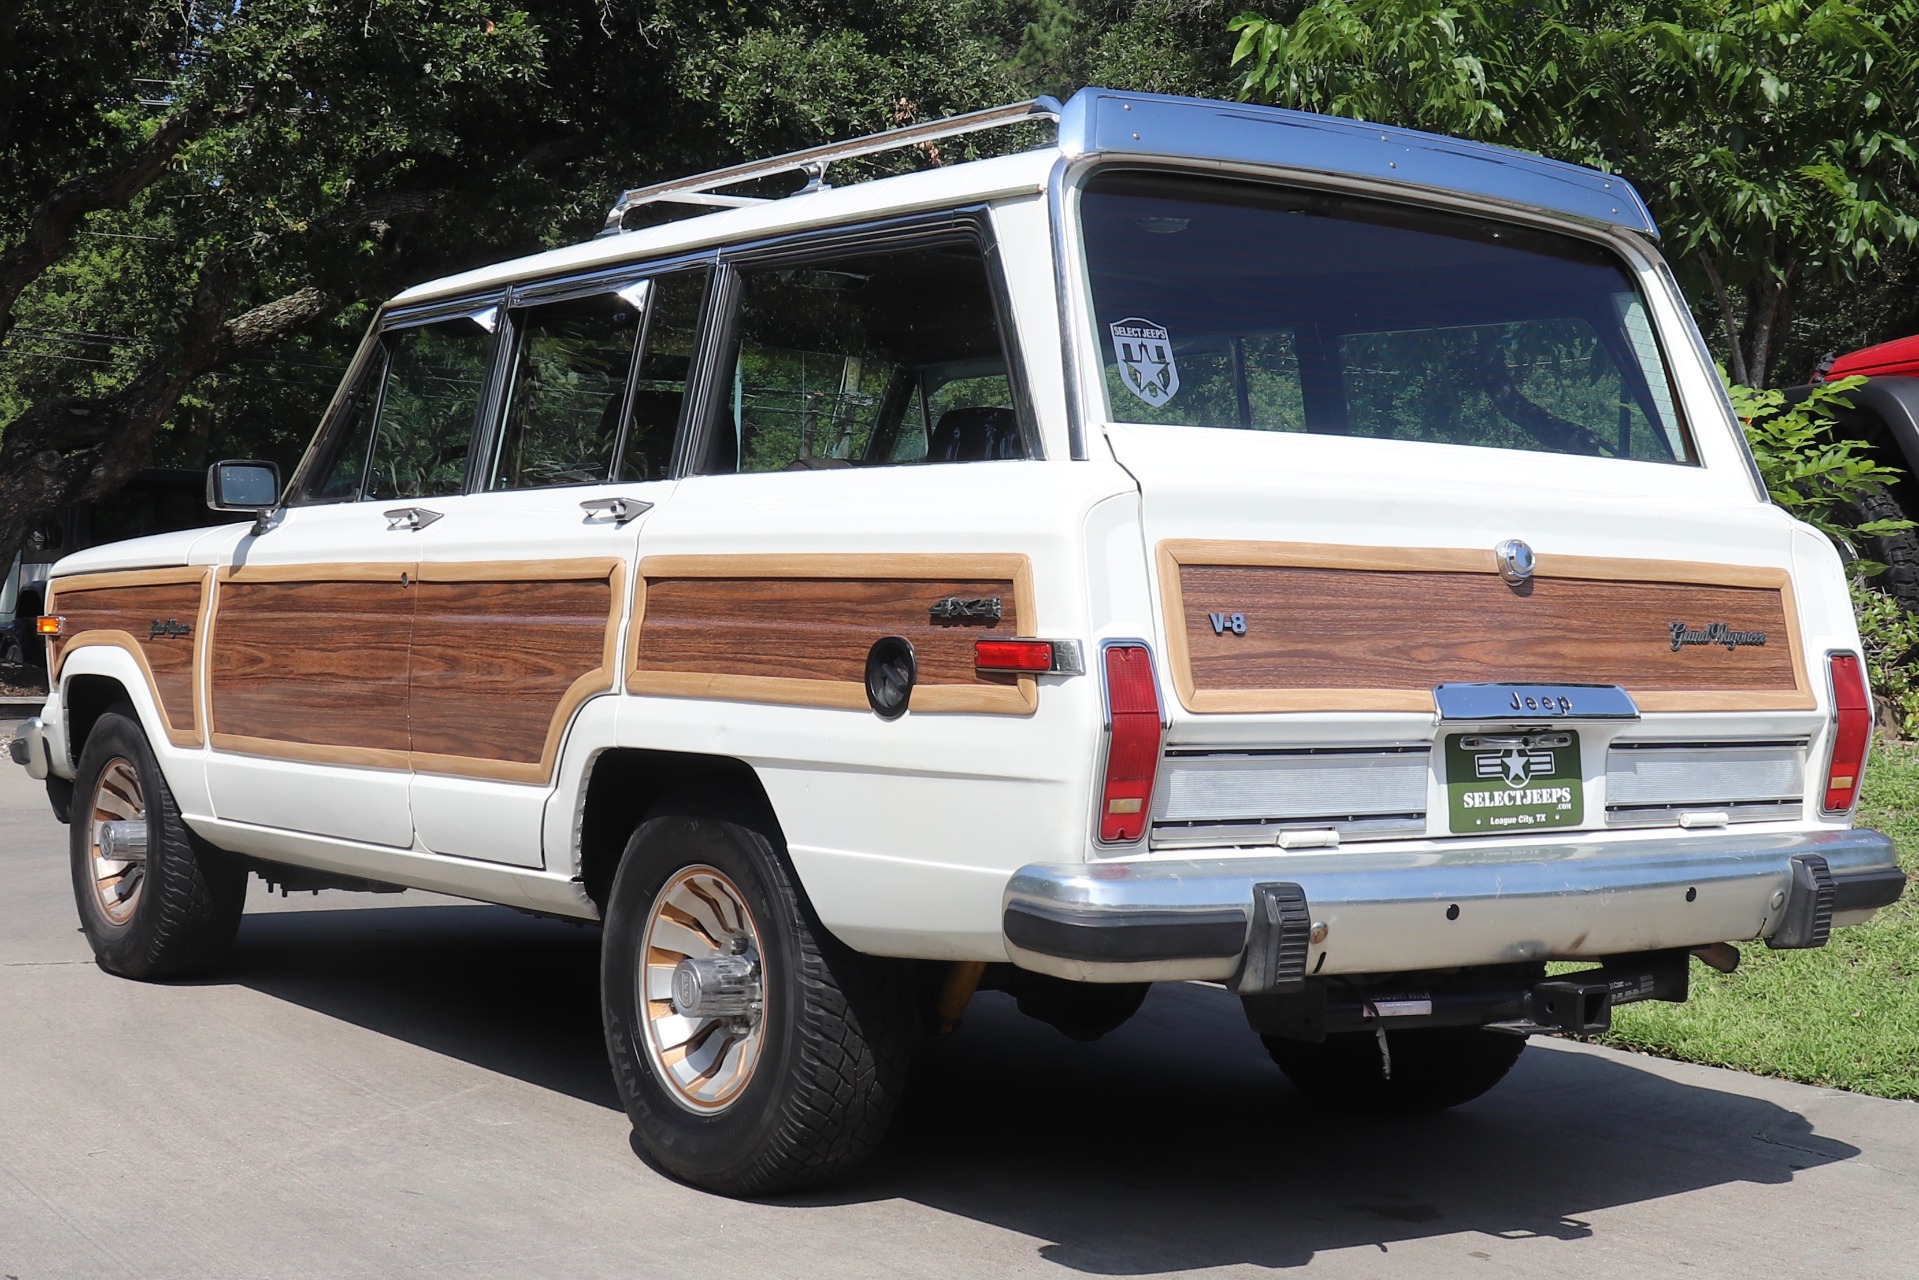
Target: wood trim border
<point x="194" y="735"/>
<point x="1018" y="698"/>
<point x="1173" y="553"/>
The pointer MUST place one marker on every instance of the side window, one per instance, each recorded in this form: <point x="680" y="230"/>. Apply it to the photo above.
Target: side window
<point x="434" y="377"/>
<point x="568" y="390"/>
<point x="344" y="470"/>
<point x="887" y="356"/>
<point x="672" y="326"/>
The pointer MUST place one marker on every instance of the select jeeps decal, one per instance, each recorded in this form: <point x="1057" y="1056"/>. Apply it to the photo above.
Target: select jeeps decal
<point x="1713" y="633"/>
<point x="1513" y="782"/>
<point x="1145" y="352"/>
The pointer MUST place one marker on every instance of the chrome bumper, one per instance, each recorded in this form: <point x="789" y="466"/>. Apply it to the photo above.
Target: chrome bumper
<point x="29" y="748"/>
<point x="1460" y="905"/>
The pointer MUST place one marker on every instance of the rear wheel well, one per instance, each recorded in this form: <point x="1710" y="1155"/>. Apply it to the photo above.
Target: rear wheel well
<point x="86" y="699"/>
<point x="626" y="784"/>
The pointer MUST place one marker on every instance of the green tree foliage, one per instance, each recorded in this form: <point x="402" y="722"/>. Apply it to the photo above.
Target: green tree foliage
<point x="199" y="204"/>
<point x="1810" y="469"/>
<point x="1772" y="140"/>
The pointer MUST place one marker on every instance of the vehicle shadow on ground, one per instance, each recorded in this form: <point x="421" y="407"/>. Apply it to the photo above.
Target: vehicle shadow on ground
<point x="1173" y="1144"/>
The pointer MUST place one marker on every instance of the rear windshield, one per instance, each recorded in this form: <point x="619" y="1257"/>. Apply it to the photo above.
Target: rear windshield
<point x="1228" y="304"/>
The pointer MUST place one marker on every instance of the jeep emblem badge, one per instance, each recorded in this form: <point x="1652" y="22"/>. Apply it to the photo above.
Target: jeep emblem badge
<point x="1515" y="562"/>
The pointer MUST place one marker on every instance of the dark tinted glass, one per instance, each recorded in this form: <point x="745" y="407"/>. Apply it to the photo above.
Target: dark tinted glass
<point x="434" y="377"/>
<point x="569" y="387"/>
<point x="672" y="326"/>
<point x="1222" y="304"/>
<point x="343" y="469"/>
<point x="833" y="364"/>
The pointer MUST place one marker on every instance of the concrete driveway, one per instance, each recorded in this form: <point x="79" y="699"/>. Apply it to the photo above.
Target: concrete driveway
<point x="408" y="1085"/>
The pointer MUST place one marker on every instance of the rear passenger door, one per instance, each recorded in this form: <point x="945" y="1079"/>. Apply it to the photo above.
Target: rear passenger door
<point x="523" y="581"/>
<point x="313" y="620"/>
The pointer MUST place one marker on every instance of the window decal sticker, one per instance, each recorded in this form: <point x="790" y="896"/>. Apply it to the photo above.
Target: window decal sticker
<point x="1145" y="352"/>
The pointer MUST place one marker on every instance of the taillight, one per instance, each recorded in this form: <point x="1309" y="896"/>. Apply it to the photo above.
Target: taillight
<point x="1851" y="730"/>
<point x="1132" y="747"/>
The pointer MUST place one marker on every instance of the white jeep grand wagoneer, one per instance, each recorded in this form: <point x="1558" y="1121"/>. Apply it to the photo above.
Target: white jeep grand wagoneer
<point x="1221" y="544"/>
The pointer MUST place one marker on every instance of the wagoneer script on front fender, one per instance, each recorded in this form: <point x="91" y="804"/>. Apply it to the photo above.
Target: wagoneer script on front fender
<point x="1220" y="545"/>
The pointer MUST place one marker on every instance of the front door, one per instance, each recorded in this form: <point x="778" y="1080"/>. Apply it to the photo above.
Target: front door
<point x="313" y="619"/>
<point x="524" y="582"/>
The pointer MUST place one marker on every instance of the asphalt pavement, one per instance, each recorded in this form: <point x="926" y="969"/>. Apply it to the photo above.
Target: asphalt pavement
<point x="412" y="1086"/>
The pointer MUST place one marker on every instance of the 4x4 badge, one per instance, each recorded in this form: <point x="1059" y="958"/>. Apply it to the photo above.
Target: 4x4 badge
<point x="958" y="609"/>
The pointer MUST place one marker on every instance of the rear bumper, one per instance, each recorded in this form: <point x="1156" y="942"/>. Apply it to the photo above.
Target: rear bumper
<point x="1382" y="912"/>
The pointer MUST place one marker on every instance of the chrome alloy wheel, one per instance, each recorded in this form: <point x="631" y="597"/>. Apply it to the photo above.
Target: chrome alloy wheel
<point x="703" y="998"/>
<point x="117" y="836"/>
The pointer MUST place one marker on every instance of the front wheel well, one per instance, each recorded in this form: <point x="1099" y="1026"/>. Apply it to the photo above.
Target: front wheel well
<point x="86" y="699"/>
<point x="625" y="784"/>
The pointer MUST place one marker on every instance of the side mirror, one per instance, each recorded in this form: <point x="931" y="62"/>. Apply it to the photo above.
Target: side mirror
<point x="241" y="484"/>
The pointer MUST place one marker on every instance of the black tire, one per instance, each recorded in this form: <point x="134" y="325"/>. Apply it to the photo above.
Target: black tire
<point x="834" y="1027"/>
<point x="1899" y="552"/>
<point x="1433" y="1068"/>
<point x="183" y="919"/>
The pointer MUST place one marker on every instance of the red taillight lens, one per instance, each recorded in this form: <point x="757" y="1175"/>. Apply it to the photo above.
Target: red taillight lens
<point x="1013" y="655"/>
<point x="1851" y="730"/>
<point x="1132" y="749"/>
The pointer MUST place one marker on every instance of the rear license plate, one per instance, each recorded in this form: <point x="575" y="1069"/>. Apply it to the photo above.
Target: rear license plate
<point x="1502" y="782"/>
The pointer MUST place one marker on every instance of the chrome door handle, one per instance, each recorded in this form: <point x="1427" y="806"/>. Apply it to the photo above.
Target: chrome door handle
<point x="621" y="509"/>
<point x="410" y="518"/>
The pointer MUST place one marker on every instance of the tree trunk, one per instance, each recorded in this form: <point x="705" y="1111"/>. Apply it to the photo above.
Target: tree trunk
<point x="1728" y="319"/>
<point x="1768" y="311"/>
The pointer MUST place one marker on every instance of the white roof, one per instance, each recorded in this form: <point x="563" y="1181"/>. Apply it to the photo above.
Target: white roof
<point x="943" y="187"/>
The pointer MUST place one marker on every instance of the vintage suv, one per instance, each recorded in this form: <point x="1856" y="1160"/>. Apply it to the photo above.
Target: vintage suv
<point x="1220" y="545"/>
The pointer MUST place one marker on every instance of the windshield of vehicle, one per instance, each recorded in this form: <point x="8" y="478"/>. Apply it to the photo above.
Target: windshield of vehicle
<point x="1231" y="304"/>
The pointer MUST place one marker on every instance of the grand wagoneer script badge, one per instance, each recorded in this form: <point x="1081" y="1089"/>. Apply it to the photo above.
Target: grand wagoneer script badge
<point x="1713" y="633"/>
<point x="170" y="628"/>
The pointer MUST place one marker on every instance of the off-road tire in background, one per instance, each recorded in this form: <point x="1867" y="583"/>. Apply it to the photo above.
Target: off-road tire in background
<point x="833" y="1028"/>
<point x="180" y="915"/>
<point x="1433" y="1068"/>
<point x="1899" y="552"/>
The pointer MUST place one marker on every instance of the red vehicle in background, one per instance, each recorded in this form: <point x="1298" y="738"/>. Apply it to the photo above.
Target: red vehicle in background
<point x="1885" y="413"/>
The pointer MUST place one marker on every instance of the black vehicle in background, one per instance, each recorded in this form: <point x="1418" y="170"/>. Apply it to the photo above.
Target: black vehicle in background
<point x="157" y="500"/>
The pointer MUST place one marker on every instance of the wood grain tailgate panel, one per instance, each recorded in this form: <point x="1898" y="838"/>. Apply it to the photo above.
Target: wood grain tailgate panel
<point x="1330" y="637"/>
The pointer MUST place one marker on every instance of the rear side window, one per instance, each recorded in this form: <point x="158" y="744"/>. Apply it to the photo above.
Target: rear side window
<point x="1229" y="304"/>
<point x="876" y="358"/>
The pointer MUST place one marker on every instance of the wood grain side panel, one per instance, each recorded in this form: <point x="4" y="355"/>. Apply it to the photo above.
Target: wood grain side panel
<point x="1334" y="636"/>
<point x="493" y="661"/>
<point x="796" y="630"/>
<point x="157" y="618"/>
<point x="315" y="662"/>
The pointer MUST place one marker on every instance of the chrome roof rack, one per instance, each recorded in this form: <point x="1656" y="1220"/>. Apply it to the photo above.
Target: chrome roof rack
<point x="702" y="188"/>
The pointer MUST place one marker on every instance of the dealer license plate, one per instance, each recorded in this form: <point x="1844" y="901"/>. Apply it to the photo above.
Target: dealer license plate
<point x="1504" y="782"/>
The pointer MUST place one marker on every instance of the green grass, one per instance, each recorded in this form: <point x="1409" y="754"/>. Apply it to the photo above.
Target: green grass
<point x="1845" y="1016"/>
